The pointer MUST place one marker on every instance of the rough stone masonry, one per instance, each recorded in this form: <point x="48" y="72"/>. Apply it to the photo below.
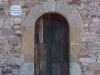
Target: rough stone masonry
<point x="13" y="61"/>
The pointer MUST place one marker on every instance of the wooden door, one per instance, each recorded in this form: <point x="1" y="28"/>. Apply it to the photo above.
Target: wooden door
<point x="51" y="45"/>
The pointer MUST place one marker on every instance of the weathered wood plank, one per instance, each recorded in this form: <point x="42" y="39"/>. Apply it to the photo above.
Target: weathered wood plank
<point x="40" y="59"/>
<point x="64" y="69"/>
<point x="42" y="51"/>
<point x="36" y="58"/>
<point x="57" y="53"/>
<point x="56" y="69"/>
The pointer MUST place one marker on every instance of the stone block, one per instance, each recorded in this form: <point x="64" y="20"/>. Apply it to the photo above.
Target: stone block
<point x="7" y="32"/>
<point x="8" y="23"/>
<point x="27" y="48"/>
<point x="22" y="3"/>
<point x="28" y="35"/>
<point x="1" y="9"/>
<point x="28" y="40"/>
<point x="27" y="69"/>
<point x="17" y="27"/>
<point x="64" y="8"/>
<point x="83" y="47"/>
<point x="75" y="1"/>
<point x="28" y="58"/>
<point x="96" y="20"/>
<point x="17" y="20"/>
<point x="1" y="23"/>
<point x="74" y="34"/>
<point x="13" y="51"/>
<point x="87" y="60"/>
<point x="15" y="41"/>
<point x="18" y="60"/>
<point x="74" y="52"/>
<point x="97" y="72"/>
<point x="2" y="37"/>
<point x="87" y="38"/>
<point x="23" y="15"/>
<point x="0" y="71"/>
<point x="75" y="69"/>
<point x="93" y="46"/>
<point x="88" y="72"/>
<point x="51" y="6"/>
<point x="16" y="2"/>
<point x="74" y="48"/>
<point x="2" y="44"/>
<point x="0" y="2"/>
<point x="69" y="0"/>
<point x="15" y="72"/>
<point x="34" y="14"/>
<point x="14" y="67"/>
<point x="1" y="50"/>
<point x="98" y="60"/>
<point x="2" y="14"/>
<point x="5" y="71"/>
<point x="95" y="68"/>
<point x="97" y="31"/>
<point x="43" y="0"/>
<point x="20" y="50"/>
<point x="3" y="41"/>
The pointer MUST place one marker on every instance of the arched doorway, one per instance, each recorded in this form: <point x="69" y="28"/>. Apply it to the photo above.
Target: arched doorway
<point x="51" y="54"/>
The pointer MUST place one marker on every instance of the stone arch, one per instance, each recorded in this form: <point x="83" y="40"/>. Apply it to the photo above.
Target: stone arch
<point x="54" y="7"/>
<point x="39" y="9"/>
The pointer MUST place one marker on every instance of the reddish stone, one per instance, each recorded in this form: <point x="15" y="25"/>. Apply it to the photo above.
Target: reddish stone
<point x="1" y="48"/>
<point x="92" y="64"/>
<point x="74" y="1"/>
<point x="84" y="56"/>
<point x="7" y="32"/>
<point x="15" y="72"/>
<point x="2" y="44"/>
<point x="92" y="29"/>
<point x="97" y="72"/>
<point x="98" y="31"/>
<point x="93" y="16"/>
<point x="94" y="25"/>
<point x="93" y="46"/>
<point x="15" y="41"/>
<point x="29" y="3"/>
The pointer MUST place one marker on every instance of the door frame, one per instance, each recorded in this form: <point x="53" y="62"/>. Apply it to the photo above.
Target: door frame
<point x="73" y="18"/>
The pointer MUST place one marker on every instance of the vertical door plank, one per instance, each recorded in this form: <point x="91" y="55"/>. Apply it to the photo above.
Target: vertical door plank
<point x="40" y="59"/>
<point x="41" y="30"/>
<point x="56" y="69"/>
<point x="64" y="69"/>
<point x="57" y="53"/>
<point x="42" y="51"/>
<point x="37" y="62"/>
<point x="48" y="54"/>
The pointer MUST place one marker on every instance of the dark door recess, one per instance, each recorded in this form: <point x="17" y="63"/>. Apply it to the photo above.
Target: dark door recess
<point x="51" y="52"/>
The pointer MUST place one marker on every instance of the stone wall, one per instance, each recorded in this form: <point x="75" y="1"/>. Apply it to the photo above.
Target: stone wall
<point x="85" y="55"/>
